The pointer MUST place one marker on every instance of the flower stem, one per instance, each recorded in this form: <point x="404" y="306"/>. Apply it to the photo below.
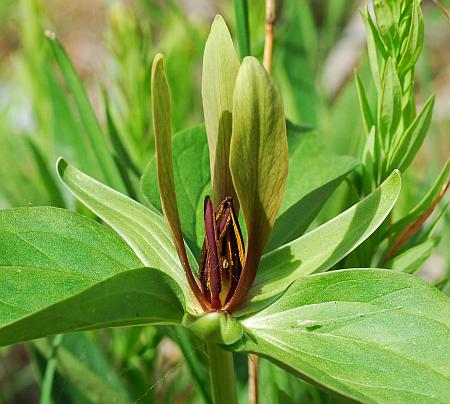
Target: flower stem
<point x="221" y="367"/>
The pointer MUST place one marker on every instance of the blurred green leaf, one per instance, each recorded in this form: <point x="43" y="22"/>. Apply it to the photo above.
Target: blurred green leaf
<point x="80" y="363"/>
<point x="361" y="333"/>
<point x="412" y="259"/>
<point x="424" y="205"/>
<point x="92" y="128"/>
<point x="389" y="105"/>
<point x="364" y="106"/>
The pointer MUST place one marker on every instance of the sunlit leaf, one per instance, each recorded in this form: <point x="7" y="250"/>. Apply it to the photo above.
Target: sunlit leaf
<point x="144" y="230"/>
<point x="323" y="247"/>
<point x="370" y="335"/>
<point x="63" y="272"/>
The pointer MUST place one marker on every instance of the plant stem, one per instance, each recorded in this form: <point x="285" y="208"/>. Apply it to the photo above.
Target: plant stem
<point x="268" y="43"/>
<point x="47" y="383"/>
<point x="223" y="382"/>
<point x="243" y="31"/>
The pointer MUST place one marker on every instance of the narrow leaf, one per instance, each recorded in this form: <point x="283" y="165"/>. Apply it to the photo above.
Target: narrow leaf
<point x="370" y="335"/>
<point x="243" y="29"/>
<point x="258" y="159"/>
<point x="220" y="68"/>
<point x="323" y="247"/>
<point x="87" y="115"/>
<point x="389" y="105"/>
<point x="364" y="106"/>
<point x="427" y="202"/>
<point x="411" y="140"/>
<point x="413" y="258"/>
<point x="144" y="230"/>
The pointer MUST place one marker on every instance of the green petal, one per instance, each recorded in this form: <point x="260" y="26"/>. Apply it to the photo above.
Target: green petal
<point x="220" y="68"/>
<point x="258" y="159"/>
<point x="161" y="113"/>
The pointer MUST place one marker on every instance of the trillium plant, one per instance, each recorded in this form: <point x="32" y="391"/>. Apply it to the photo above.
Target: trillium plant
<point x="221" y="250"/>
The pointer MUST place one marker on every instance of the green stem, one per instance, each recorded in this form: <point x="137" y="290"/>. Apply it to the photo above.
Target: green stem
<point x="222" y="375"/>
<point x="47" y="383"/>
<point x="243" y="30"/>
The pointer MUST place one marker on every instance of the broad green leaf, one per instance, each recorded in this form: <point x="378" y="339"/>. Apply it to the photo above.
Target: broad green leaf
<point x="314" y="173"/>
<point x="370" y="335"/>
<point x="323" y="247"/>
<point x="389" y="105"/>
<point x="364" y="106"/>
<point x="56" y="267"/>
<point x="161" y="114"/>
<point x="424" y="205"/>
<point x="87" y="115"/>
<point x="192" y="183"/>
<point x="144" y="230"/>
<point x="81" y="363"/>
<point x="220" y="68"/>
<point x="131" y="297"/>
<point x="258" y="157"/>
<point x="409" y="144"/>
<point x="414" y="257"/>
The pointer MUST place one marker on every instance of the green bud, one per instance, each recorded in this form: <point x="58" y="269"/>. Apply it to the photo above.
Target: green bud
<point x="214" y="326"/>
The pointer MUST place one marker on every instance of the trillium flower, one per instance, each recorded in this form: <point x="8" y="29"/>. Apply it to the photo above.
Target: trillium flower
<point x="249" y="162"/>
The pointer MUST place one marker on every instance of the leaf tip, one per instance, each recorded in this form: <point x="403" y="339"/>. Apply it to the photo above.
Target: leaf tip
<point x="61" y="166"/>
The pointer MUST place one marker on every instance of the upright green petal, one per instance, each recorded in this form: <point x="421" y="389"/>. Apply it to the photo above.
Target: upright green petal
<point x="220" y="68"/>
<point x="258" y="160"/>
<point x="161" y="113"/>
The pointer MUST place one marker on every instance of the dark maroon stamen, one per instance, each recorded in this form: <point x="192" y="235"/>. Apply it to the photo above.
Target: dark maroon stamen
<point x="212" y="261"/>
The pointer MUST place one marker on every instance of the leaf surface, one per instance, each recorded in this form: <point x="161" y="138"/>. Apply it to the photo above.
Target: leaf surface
<point x="324" y="246"/>
<point x="314" y="173"/>
<point x="144" y="230"/>
<point x="62" y="272"/>
<point x="371" y="335"/>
